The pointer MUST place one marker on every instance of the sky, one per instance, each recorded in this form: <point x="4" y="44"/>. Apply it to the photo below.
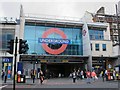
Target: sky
<point x="64" y="8"/>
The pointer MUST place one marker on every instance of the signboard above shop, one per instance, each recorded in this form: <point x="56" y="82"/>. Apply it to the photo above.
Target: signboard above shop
<point x="7" y="60"/>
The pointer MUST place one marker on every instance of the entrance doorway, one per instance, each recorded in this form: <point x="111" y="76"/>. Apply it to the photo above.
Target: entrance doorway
<point x="64" y="69"/>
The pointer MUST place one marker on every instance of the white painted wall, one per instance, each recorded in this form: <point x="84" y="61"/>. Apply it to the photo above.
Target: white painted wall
<point x="87" y="16"/>
<point x="109" y="49"/>
<point x="115" y="50"/>
<point x="107" y="32"/>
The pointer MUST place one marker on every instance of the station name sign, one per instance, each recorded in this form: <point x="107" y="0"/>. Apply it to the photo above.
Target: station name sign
<point x="53" y="41"/>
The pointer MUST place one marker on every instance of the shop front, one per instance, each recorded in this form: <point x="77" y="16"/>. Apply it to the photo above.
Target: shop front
<point x="7" y="66"/>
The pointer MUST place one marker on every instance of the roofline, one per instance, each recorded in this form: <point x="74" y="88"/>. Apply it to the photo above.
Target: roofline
<point x="97" y="24"/>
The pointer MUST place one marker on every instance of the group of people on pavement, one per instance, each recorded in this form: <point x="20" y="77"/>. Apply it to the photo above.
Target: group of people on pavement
<point x="109" y="75"/>
<point x="91" y="75"/>
<point x="81" y="74"/>
<point x="41" y="76"/>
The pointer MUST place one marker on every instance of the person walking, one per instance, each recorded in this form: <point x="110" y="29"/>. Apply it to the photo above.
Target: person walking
<point x="74" y="75"/>
<point x="114" y="76"/>
<point x="82" y="74"/>
<point x="88" y="75"/>
<point x="5" y="79"/>
<point x="41" y="77"/>
<point x="33" y="76"/>
<point x="93" y="75"/>
<point x="2" y="74"/>
<point x="117" y="75"/>
<point x="106" y="74"/>
<point x="103" y="75"/>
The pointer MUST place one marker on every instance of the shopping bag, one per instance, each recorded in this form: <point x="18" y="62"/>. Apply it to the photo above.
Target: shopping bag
<point x="96" y="77"/>
<point x="82" y="77"/>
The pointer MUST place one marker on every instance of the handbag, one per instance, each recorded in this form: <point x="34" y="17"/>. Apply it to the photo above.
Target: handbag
<point x="82" y="77"/>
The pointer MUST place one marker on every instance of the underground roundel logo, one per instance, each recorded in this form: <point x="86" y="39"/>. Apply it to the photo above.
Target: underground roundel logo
<point x="50" y="50"/>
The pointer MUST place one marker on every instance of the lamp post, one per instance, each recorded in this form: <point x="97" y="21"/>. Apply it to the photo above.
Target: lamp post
<point x="118" y="34"/>
<point x="118" y="61"/>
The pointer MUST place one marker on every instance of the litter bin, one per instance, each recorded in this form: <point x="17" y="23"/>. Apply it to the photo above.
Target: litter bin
<point x="21" y="79"/>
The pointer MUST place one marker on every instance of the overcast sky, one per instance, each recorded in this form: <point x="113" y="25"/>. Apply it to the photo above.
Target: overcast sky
<point x="67" y="8"/>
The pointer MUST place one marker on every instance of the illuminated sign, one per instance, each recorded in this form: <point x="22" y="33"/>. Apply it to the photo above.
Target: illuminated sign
<point x="64" y="60"/>
<point x="43" y="61"/>
<point x="7" y="60"/>
<point x="53" y="41"/>
<point x="59" y="32"/>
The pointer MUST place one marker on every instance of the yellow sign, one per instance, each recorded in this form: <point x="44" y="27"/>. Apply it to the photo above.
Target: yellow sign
<point x="43" y="60"/>
<point x="64" y="60"/>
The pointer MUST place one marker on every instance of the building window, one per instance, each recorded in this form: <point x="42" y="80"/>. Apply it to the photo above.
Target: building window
<point x="91" y="46"/>
<point x="96" y="34"/>
<point x="97" y="47"/>
<point x="104" y="47"/>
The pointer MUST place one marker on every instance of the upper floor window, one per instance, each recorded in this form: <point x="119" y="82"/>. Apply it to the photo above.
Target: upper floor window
<point x="97" y="47"/>
<point x="96" y="34"/>
<point x="91" y="46"/>
<point x="7" y="34"/>
<point x="104" y="47"/>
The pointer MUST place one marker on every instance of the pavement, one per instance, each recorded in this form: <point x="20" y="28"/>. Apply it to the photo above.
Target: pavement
<point x="62" y="83"/>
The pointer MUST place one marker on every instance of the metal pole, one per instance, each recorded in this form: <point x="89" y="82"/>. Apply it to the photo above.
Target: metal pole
<point x="118" y="24"/>
<point x="118" y="42"/>
<point x="16" y="41"/>
<point x="118" y="35"/>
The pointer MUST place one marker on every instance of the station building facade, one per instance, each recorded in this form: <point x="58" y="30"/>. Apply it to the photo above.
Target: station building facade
<point x="60" y="46"/>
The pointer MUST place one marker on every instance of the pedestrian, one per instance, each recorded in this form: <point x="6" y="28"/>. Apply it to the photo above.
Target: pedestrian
<point x="5" y="79"/>
<point x="78" y="72"/>
<point x="41" y="77"/>
<point x="82" y="74"/>
<point x="33" y="76"/>
<point x="88" y="75"/>
<point x="117" y="75"/>
<point x="93" y="75"/>
<point x="74" y="75"/>
<point x="2" y="74"/>
<point x="114" y="76"/>
<point x="106" y="75"/>
<point x="103" y="75"/>
<point x="31" y="73"/>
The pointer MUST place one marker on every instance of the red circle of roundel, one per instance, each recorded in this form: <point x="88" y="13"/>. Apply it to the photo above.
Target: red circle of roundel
<point x="54" y="51"/>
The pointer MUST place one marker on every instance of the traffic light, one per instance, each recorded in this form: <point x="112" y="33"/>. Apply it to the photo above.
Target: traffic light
<point x="23" y="46"/>
<point x="10" y="46"/>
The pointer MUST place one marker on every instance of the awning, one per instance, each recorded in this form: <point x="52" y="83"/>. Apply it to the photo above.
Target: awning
<point x="117" y="65"/>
